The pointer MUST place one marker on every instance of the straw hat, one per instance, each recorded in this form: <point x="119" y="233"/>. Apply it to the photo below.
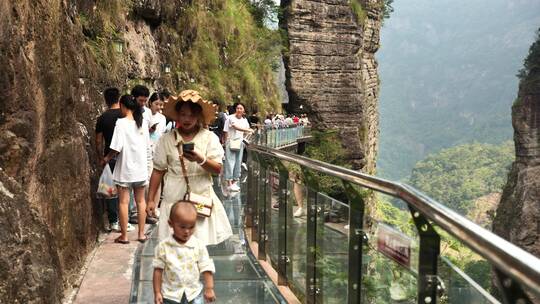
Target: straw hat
<point x="208" y="108"/>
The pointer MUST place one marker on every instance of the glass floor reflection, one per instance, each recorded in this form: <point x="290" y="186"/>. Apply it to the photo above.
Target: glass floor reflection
<point x="239" y="278"/>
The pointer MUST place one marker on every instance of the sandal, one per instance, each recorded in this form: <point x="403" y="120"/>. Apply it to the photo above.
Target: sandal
<point x="120" y="241"/>
<point x="143" y="240"/>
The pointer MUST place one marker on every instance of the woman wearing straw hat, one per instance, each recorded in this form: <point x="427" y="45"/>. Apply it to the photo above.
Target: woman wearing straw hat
<point x="191" y="114"/>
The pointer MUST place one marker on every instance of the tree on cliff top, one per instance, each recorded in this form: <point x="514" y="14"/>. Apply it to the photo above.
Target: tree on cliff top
<point x="531" y="64"/>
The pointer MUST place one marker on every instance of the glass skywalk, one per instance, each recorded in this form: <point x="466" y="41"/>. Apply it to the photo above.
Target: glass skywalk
<point x="344" y="251"/>
<point x="239" y="278"/>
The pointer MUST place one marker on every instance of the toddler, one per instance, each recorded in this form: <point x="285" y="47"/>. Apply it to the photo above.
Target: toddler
<point x="178" y="261"/>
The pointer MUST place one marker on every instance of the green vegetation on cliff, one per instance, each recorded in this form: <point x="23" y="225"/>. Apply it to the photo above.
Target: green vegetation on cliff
<point x="530" y="74"/>
<point x="101" y="27"/>
<point x="222" y="48"/>
<point x="325" y="147"/>
<point x="229" y="54"/>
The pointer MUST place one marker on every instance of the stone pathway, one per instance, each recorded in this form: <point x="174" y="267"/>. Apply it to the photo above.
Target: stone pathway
<point x="109" y="273"/>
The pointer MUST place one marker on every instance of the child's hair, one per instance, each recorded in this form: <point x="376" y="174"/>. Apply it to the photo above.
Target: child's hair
<point x="129" y="102"/>
<point x="111" y="96"/>
<point x="185" y="206"/>
<point x="140" y="90"/>
<point x="154" y="97"/>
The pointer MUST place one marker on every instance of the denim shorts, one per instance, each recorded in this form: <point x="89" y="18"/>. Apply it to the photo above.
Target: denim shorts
<point x="131" y="184"/>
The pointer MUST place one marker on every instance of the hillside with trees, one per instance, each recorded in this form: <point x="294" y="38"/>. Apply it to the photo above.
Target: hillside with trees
<point x="448" y="75"/>
<point x="461" y="175"/>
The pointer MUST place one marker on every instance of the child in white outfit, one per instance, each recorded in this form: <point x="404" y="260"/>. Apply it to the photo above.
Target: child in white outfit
<point x="180" y="259"/>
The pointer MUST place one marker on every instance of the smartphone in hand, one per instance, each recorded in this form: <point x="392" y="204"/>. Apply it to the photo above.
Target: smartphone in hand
<point x="188" y="147"/>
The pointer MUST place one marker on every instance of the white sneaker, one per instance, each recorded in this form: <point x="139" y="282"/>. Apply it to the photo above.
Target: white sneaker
<point x="115" y="226"/>
<point x="130" y="227"/>
<point x="234" y="187"/>
<point x="299" y="212"/>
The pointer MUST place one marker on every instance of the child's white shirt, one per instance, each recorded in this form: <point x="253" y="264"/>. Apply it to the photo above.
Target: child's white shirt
<point x="182" y="265"/>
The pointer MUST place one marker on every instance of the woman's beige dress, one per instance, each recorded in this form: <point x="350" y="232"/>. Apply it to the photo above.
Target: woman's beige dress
<point x="212" y="230"/>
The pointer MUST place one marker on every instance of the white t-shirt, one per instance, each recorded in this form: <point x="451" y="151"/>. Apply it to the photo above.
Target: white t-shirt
<point x="133" y="144"/>
<point x="289" y="121"/>
<point x="147" y="115"/>
<point x="232" y="132"/>
<point x="160" y="128"/>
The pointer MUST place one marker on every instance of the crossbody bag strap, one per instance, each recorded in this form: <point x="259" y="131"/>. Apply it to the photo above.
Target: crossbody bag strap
<point x="183" y="164"/>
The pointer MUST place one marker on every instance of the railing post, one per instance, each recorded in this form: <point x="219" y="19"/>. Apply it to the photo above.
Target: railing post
<point x="314" y="227"/>
<point x="510" y="290"/>
<point x="251" y="189"/>
<point x="284" y="263"/>
<point x="262" y="203"/>
<point x="256" y="165"/>
<point x="357" y="238"/>
<point x="428" y="282"/>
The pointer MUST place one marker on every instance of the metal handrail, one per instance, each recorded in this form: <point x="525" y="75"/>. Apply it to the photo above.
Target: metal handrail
<point x="505" y="256"/>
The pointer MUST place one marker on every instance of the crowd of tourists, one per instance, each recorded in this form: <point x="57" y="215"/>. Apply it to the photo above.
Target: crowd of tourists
<point x="285" y="121"/>
<point x="160" y="153"/>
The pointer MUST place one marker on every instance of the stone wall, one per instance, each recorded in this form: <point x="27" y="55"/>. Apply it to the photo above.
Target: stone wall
<point x="51" y="83"/>
<point x="29" y="260"/>
<point x="57" y="56"/>
<point x="518" y="214"/>
<point x="332" y="72"/>
<point x="45" y="124"/>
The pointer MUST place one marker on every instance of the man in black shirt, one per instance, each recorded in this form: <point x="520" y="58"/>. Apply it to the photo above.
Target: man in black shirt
<point x="219" y="122"/>
<point x="106" y="122"/>
<point x="104" y="133"/>
<point x="253" y="119"/>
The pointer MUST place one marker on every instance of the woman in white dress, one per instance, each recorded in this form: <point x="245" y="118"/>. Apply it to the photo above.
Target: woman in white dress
<point x="191" y="114"/>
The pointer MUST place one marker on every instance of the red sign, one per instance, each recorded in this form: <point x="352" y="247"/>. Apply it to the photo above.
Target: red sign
<point x="394" y="244"/>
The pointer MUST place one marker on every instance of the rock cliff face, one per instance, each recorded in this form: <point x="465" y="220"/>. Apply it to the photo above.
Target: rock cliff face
<point x="518" y="214"/>
<point x="51" y="81"/>
<point x="29" y="258"/>
<point x="332" y="72"/>
<point x="56" y="58"/>
<point x="45" y="121"/>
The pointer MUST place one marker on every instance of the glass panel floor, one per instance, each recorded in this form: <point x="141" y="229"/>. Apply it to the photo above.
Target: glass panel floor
<point x="239" y="278"/>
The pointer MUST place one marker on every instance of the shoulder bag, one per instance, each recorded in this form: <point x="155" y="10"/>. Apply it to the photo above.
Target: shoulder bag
<point x="202" y="203"/>
<point x="235" y="144"/>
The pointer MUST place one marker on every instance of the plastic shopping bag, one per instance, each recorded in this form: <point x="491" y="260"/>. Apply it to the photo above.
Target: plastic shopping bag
<point x="106" y="187"/>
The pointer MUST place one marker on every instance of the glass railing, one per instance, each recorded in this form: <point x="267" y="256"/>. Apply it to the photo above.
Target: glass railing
<point x="280" y="137"/>
<point x="375" y="241"/>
